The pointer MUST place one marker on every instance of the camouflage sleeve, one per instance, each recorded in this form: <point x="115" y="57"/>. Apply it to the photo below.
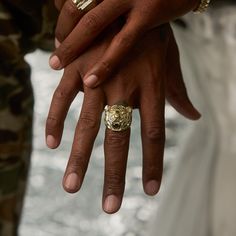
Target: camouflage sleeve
<point x="36" y="20"/>
<point x="16" y="100"/>
<point x="16" y="106"/>
<point x="45" y="38"/>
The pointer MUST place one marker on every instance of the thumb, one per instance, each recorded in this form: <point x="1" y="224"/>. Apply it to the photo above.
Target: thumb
<point x="176" y="92"/>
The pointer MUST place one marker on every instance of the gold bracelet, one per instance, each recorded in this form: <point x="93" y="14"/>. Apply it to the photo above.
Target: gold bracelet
<point x="202" y="7"/>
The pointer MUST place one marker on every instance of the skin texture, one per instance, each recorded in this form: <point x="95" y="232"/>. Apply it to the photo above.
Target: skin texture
<point x="82" y="29"/>
<point x="158" y="62"/>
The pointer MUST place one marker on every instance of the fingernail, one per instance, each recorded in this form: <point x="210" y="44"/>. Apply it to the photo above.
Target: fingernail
<point x="54" y="62"/>
<point x="152" y="187"/>
<point x="51" y="141"/>
<point x="91" y="80"/>
<point x="72" y="182"/>
<point x="57" y="43"/>
<point x="111" y="204"/>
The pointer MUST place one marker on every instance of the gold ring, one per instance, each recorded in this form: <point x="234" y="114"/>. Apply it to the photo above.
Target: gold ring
<point x="118" y="117"/>
<point x="85" y="5"/>
<point x="202" y="6"/>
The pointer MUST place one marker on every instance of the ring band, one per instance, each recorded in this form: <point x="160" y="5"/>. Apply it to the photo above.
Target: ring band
<point x="85" y="5"/>
<point x="118" y="117"/>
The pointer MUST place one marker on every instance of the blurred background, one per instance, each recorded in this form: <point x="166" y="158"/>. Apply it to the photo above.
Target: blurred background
<point x="201" y="198"/>
<point x="49" y="210"/>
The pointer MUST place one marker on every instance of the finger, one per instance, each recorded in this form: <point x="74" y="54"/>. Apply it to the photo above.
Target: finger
<point x="114" y="55"/>
<point x="59" y="4"/>
<point x="86" y="31"/>
<point x="85" y="134"/>
<point x="69" y="14"/>
<point x="176" y="92"/>
<point x="61" y="101"/>
<point x="116" y="148"/>
<point x="153" y="136"/>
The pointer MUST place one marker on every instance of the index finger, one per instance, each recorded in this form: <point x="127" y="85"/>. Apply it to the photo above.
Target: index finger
<point x="84" y="33"/>
<point x="59" y="4"/>
<point x="71" y="14"/>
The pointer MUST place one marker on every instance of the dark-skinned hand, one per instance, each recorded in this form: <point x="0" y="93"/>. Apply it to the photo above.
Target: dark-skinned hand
<point x="77" y="30"/>
<point x="145" y="77"/>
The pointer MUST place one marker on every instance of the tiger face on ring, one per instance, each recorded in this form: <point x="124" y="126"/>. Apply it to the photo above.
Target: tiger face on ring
<point x="118" y="117"/>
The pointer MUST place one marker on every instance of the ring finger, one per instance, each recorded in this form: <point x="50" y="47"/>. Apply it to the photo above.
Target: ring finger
<point x="152" y="105"/>
<point x="116" y="148"/>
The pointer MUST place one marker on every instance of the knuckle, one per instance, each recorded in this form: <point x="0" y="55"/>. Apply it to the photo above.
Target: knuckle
<point x="52" y="123"/>
<point x="77" y="161"/>
<point x="106" y="66"/>
<point x="125" y="40"/>
<point x="61" y="94"/>
<point x="66" y="52"/>
<point x="91" y="22"/>
<point x="114" y="180"/>
<point x="155" y="132"/>
<point x="116" y="139"/>
<point x="88" y="121"/>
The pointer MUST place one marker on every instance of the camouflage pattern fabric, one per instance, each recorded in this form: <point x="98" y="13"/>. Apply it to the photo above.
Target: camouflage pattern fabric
<point x="17" y="37"/>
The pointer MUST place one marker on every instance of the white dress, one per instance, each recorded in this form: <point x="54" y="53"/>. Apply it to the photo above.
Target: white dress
<point x="199" y="198"/>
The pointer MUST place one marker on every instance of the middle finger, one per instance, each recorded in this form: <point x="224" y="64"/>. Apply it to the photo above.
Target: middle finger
<point x="86" y="132"/>
<point x="152" y="104"/>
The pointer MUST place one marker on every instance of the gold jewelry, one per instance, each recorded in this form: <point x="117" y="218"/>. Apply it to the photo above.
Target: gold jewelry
<point x="85" y="5"/>
<point x="202" y="6"/>
<point x="118" y="117"/>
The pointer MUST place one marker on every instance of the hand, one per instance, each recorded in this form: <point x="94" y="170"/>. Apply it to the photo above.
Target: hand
<point x="150" y="59"/>
<point x="80" y="30"/>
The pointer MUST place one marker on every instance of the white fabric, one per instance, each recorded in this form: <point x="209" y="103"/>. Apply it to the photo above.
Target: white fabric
<point x="200" y="196"/>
